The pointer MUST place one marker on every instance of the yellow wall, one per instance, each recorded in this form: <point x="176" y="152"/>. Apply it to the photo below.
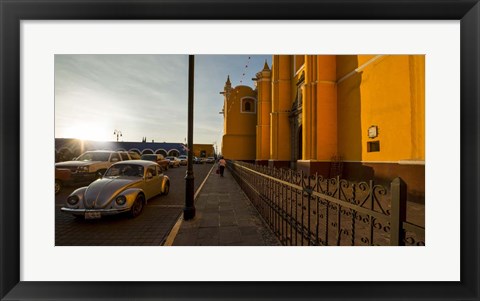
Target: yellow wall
<point x="238" y="147"/>
<point x="208" y="148"/>
<point x="388" y="92"/>
<point x="342" y="97"/>
<point x="239" y="127"/>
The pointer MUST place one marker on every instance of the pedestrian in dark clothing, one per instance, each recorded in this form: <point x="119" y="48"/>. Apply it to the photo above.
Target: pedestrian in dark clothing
<point x="221" y="164"/>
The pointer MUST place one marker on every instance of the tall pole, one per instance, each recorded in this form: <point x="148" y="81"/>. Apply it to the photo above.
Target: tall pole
<point x="118" y="133"/>
<point x="189" y="210"/>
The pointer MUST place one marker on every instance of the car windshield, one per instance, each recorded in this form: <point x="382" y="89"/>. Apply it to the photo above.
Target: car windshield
<point x="94" y="156"/>
<point x="126" y="170"/>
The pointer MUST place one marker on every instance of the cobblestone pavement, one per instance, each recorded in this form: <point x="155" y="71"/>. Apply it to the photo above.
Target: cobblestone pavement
<point x="224" y="217"/>
<point x="148" y="229"/>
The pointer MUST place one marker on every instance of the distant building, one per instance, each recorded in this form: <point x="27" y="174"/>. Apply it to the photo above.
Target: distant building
<point x="361" y="117"/>
<point x="203" y="150"/>
<point x="66" y="149"/>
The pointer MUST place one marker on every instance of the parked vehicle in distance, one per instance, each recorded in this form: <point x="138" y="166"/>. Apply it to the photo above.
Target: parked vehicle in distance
<point x="197" y="160"/>
<point x="183" y="160"/>
<point x="124" y="155"/>
<point x="63" y="177"/>
<point x="125" y="187"/>
<point x="90" y="165"/>
<point x="160" y="159"/>
<point x="134" y="155"/>
<point x="173" y="161"/>
<point x="210" y="160"/>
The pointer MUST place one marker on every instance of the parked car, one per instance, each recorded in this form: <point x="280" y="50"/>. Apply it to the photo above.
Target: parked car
<point x="197" y="160"/>
<point x="125" y="155"/>
<point x="173" y="161"/>
<point x="160" y="159"/>
<point x="183" y="160"/>
<point x="90" y="165"/>
<point x="125" y="187"/>
<point x="134" y="155"/>
<point x="62" y="177"/>
<point x="210" y="160"/>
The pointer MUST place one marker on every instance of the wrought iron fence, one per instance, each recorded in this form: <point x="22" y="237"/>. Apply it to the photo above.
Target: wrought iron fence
<point x="311" y="210"/>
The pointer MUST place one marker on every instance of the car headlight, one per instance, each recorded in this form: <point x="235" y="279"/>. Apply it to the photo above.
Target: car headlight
<point x="72" y="200"/>
<point x="121" y="200"/>
<point x="82" y="169"/>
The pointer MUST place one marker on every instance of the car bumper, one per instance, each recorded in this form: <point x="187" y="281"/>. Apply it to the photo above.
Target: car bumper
<point x="103" y="212"/>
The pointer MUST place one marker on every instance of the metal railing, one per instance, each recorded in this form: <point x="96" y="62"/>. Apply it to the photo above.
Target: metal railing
<point x="310" y="210"/>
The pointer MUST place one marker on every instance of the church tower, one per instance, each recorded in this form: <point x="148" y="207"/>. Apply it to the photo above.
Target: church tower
<point x="239" y="122"/>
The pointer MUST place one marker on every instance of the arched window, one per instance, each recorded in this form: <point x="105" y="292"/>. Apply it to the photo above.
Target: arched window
<point x="174" y="152"/>
<point x="248" y="105"/>
<point x="161" y="152"/>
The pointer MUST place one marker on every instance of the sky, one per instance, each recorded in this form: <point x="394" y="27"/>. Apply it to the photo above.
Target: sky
<point x="145" y="95"/>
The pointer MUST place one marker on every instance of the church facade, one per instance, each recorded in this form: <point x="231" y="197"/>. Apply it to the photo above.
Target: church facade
<point x="361" y="117"/>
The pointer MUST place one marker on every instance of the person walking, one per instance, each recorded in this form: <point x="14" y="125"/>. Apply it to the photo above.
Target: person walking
<point x="221" y="164"/>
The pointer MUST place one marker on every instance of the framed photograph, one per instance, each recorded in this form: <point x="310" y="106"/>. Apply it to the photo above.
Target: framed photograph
<point x="48" y="46"/>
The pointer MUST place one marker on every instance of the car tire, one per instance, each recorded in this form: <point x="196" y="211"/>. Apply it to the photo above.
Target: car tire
<point x="137" y="206"/>
<point x="167" y="189"/>
<point x="58" y="186"/>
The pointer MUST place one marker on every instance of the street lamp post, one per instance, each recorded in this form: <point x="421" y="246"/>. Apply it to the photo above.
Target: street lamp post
<point x="189" y="210"/>
<point x="118" y="133"/>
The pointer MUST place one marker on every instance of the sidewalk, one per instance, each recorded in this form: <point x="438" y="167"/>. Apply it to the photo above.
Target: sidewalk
<point x="224" y="217"/>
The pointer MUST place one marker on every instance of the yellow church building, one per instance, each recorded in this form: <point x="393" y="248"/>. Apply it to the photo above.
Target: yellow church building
<point x="361" y="117"/>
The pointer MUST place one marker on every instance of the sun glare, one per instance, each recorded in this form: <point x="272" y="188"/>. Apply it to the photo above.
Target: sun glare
<point x="86" y="132"/>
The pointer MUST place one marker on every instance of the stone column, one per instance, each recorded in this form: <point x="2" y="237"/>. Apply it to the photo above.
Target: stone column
<point x="281" y="104"/>
<point x="319" y="114"/>
<point x="264" y="107"/>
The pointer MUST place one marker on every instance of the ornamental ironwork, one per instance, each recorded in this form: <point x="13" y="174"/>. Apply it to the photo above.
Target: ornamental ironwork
<point x="316" y="211"/>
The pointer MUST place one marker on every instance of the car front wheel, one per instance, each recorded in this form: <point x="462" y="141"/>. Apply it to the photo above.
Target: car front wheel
<point x="137" y="206"/>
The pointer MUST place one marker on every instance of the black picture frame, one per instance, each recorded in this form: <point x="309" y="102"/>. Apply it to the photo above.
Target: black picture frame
<point x="12" y="12"/>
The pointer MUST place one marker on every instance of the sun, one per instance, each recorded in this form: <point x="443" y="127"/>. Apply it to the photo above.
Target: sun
<point x="86" y="132"/>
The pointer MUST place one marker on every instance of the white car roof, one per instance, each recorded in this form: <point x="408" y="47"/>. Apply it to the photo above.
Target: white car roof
<point x="144" y="163"/>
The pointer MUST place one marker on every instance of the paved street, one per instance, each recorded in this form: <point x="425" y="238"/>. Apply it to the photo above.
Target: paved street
<point x="148" y="229"/>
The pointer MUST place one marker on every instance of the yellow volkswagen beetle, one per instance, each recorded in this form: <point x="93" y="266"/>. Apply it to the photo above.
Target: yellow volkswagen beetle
<point x="125" y="187"/>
